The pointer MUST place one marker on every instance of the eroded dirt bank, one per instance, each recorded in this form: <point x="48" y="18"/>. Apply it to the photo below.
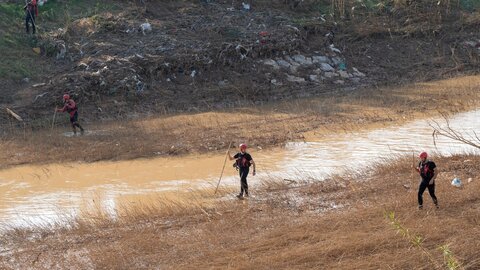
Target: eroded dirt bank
<point x="261" y="126"/>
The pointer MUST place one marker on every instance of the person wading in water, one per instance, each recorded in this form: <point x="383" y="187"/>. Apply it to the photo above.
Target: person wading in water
<point x="243" y="161"/>
<point x="71" y="107"/>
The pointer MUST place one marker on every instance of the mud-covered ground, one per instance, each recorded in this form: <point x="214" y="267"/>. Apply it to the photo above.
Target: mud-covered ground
<point x="260" y="126"/>
<point x="365" y="221"/>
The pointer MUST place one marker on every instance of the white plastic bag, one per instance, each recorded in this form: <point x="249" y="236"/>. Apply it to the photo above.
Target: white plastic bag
<point x="456" y="182"/>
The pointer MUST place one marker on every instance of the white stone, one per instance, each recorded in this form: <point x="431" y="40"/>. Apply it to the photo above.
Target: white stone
<point x="318" y="71"/>
<point x="302" y="60"/>
<point x="275" y="82"/>
<point x="291" y="78"/>
<point x="283" y="64"/>
<point x="314" y="78"/>
<point x="344" y="74"/>
<point x="330" y="74"/>
<point x="326" y="67"/>
<point x="317" y="59"/>
<point x="272" y="63"/>
<point x="290" y="60"/>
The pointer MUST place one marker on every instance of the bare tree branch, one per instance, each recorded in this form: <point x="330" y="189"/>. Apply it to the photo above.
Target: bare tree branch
<point x="448" y="132"/>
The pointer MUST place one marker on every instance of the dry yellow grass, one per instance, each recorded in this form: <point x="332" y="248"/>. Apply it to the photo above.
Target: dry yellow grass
<point x="269" y="125"/>
<point x="280" y="227"/>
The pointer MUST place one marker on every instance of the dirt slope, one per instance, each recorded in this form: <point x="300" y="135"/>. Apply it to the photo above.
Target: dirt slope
<point x="204" y="55"/>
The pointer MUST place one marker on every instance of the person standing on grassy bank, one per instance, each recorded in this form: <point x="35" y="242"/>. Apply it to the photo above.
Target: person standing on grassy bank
<point x="30" y="12"/>
<point x="71" y="107"/>
<point x="243" y="161"/>
<point x="427" y="171"/>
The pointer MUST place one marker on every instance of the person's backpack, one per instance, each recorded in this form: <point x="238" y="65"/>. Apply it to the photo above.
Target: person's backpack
<point x="426" y="170"/>
<point x="242" y="161"/>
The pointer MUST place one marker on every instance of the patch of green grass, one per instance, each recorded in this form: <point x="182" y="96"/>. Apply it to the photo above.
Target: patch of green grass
<point x="61" y="10"/>
<point x="16" y="47"/>
<point x="470" y="5"/>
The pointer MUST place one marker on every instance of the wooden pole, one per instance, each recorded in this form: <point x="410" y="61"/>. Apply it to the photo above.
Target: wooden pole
<point x="54" y="114"/>
<point x="223" y="168"/>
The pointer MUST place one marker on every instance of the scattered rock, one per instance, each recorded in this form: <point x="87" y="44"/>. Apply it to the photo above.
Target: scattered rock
<point x="344" y="74"/>
<point x="275" y="82"/>
<point x="339" y="82"/>
<point x="283" y="64"/>
<point x="302" y="60"/>
<point x="318" y="71"/>
<point x="223" y="83"/>
<point x="318" y="59"/>
<point x="330" y="74"/>
<point x="291" y="78"/>
<point x="314" y="78"/>
<point x="326" y="67"/>
<point x="291" y="61"/>
<point x="272" y="63"/>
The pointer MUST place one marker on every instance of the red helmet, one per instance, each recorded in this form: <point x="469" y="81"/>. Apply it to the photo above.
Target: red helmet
<point x="242" y="146"/>
<point x="423" y="155"/>
<point x="66" y="97"/>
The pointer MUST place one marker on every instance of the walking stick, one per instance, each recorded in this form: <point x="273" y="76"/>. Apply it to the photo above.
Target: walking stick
<point x="224" y="162"/>
<point x="30" y="14"/>
<point x="54" y="114"/>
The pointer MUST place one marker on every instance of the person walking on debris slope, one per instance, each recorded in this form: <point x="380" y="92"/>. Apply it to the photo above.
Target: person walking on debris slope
<point x="71" y="107"/>
<point x="427" y="171"/>
<point x="30" y="12"/>
<point x="243" y="161"/>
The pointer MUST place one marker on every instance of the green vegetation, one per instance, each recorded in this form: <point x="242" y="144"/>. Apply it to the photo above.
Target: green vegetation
<point x="417" y="241"/>
<point x="13" y="45"/>
<point x="18" y="58"/>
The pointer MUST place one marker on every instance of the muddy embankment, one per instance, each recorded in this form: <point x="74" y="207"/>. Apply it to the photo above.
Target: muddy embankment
<point x="200" y="56"/>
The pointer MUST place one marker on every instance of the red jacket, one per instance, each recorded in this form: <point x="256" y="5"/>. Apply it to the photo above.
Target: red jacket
<point x="32" y="7"/>
<point x="69" y="106"/>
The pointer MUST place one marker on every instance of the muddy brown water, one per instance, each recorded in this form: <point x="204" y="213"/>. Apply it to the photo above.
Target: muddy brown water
<point x="52" y="194"/>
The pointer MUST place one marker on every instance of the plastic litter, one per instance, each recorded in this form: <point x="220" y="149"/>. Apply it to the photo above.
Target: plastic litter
<point x="456" y="182"/>
<point x="146" y="27"/>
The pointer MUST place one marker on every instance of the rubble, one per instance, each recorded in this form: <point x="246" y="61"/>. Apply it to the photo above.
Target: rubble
<point x="189" y="49"/>
<point x="295" y="79"/>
